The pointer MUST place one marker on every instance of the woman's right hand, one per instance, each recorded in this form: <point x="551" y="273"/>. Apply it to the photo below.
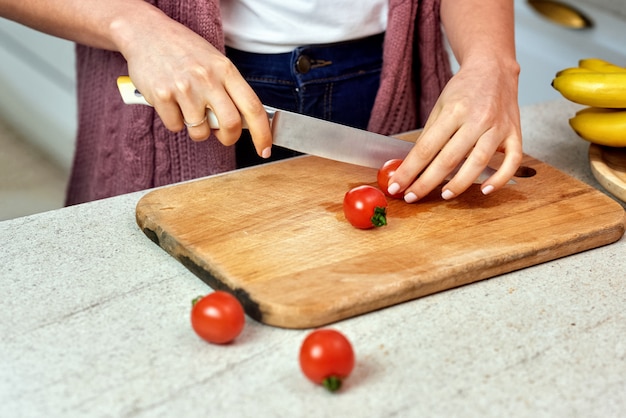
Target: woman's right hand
<point x="181" y="74"/>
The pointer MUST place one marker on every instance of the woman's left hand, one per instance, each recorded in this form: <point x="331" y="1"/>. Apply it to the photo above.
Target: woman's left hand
<point x="476" y="115"/>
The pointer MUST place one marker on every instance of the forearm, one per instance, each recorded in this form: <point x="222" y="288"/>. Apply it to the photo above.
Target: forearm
<point x="104" y="24"/>
<point x="479" y="29"/>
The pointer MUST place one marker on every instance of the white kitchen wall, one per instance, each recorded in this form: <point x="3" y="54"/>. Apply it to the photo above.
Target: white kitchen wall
<point x="612" y="6"/>
<point x="37" y="93"/>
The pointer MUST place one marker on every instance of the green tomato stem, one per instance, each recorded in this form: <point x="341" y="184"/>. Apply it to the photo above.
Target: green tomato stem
<point x="380" y="217"/>
<point x="332" y="383"/>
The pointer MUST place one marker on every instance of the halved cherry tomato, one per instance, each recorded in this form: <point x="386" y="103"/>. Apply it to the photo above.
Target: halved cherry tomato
<point x="365" y="207"/>
<point x="217" y="317"/>
<point x="384" y="173"/>
<point x="326" y="358"/>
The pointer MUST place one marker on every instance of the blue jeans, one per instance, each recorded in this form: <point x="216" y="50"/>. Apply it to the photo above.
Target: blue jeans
<point x="336" y="82"/>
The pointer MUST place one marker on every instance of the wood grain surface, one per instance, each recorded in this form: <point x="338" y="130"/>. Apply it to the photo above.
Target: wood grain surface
<point x="276" y="237"/>
<point x="608" y="165"/>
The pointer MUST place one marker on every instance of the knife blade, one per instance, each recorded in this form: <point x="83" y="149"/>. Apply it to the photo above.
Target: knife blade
<point x="317" y="137"/>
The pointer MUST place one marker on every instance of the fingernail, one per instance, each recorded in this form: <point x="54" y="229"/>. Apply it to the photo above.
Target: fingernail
<point x="487" y="189"/>
<point x="267" y="152"/>
<point x="394" y="188"/>
<point x="409" y="197"/>
<point x="447" y="194"/>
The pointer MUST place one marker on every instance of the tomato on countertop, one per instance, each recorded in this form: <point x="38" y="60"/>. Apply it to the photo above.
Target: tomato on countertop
<point x="217" y="317"/>
<point x="326" y="358"/>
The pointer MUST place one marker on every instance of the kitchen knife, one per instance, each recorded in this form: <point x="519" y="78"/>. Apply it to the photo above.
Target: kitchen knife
<point x="318" y="137"/>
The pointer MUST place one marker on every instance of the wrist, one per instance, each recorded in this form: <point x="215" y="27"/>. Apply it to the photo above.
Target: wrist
<point x="489" y="63"/>
<point x="126" y="27"/>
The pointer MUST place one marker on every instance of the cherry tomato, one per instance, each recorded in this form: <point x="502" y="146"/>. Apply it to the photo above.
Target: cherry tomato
<point x="384" y="173"/>
<point x="326" y="358"/>
<point x="365" y="207"/>
<point x="217" y="317"/>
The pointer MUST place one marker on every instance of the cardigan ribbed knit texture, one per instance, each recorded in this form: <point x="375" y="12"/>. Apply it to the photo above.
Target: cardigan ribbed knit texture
<point x="125" y="148"/>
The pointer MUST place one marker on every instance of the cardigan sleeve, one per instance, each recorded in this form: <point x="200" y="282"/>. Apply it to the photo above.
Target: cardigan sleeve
<point x="415" y="67"/>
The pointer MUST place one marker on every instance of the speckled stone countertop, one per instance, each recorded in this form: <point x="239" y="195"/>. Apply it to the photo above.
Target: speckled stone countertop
<point x="95" y="322"/>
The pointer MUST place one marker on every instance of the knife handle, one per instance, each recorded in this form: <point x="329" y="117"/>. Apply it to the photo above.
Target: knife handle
<point x="130" y="95"/>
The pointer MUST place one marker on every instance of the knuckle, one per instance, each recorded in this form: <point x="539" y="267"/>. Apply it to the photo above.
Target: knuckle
<point x="257" y="109"/>
<point x="199" y="137"/>
<point x="220" y="65"/>
<point x="447" y="161"/>
<point x="176" y="126"/>
<point x="460" y="108"/>
<point x="183" y="86"/>
<point x="163" y="94"/>
<point x="517" y="157"/>
<point x="226" y="66"/>
<point x="424" y="151"/>
<point x="226" y="140"/>
<point x="230" y="124"/>
<point x="486" y="117"/>
<point x="480" y="157"/>
<point x="200" y="72"/>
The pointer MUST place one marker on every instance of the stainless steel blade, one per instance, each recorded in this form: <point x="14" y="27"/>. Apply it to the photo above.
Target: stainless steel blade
<point x="334" y="141"/>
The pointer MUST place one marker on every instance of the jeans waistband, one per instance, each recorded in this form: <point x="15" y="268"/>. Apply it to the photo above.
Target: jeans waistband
<point x="303" y="60"/>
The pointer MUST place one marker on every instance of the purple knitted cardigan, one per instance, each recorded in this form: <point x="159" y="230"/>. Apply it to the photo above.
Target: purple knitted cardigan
<point x="121" y="149"/>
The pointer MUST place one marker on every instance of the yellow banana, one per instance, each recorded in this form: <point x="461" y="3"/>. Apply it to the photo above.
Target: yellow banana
<point x="601" y="126"/>
<point x="600" y="65"/>
<point x="573" y="70"/>
<point x="593" y="89"/>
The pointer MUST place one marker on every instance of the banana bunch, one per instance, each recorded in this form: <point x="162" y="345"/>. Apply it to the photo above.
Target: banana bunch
<point x="600" y="85"/>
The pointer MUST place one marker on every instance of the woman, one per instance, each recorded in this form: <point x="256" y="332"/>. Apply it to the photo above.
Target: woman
<point x="175" y="53"/>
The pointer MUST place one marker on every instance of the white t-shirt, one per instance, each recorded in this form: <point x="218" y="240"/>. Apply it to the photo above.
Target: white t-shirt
<point x="275" y="26"/>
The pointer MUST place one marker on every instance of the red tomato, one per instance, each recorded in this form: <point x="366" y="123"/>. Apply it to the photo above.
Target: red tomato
<point x="384" y="173"/>
<point x="218" y="317"/>
<point x="326" y="358"/>
<point x="365" y="207"/>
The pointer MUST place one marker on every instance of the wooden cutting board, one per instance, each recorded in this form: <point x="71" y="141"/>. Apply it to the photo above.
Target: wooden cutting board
<point x="608" y="165"/>
<point x="275" y="236"/>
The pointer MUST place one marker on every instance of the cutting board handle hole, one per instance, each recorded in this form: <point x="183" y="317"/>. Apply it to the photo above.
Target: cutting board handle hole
<point x="525" y="172"/>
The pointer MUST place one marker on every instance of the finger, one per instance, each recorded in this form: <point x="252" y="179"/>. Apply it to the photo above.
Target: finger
<point x="228" y="119"/>
<point x="170" y="115"/>
<point x="198" y="128"/>
<point x="253" y="112"/>
<point x="474" y="164"/>
<point x="447" y="161"/>
<point x="513" y="154"/>
<point x="166" y="106"/>
<point x="178" y="107"/>
<point x="259" y="126"/>
<point x="193" y="110"/>
<point x="426" y="148"/>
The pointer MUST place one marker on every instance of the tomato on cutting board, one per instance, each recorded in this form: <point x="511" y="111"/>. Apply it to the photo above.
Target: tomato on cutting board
<point x="365" y="207"/>
<point x="384" y="174"/>
<point x="326" y="358"/>
<point x="217" y="317"/>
